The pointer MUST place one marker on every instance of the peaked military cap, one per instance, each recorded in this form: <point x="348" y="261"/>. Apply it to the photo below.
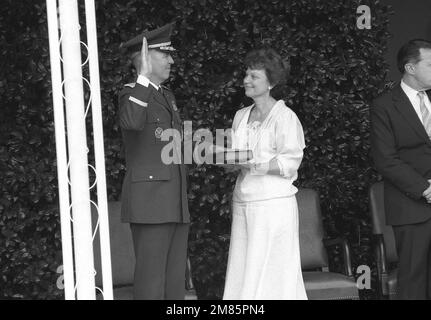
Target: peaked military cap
<point x="159" y="38"/>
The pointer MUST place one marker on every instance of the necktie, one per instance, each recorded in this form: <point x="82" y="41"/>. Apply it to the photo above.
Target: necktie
<point x="426" y="115"/>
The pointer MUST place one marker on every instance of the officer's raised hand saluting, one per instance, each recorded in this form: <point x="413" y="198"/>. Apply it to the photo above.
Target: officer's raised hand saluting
<point x="145" y="67"/>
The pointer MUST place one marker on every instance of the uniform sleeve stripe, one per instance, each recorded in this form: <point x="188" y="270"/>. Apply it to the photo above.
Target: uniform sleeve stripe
<point x="138" y="102"/>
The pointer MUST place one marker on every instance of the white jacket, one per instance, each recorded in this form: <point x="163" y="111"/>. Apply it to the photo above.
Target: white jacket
<point x="279" y="136"/>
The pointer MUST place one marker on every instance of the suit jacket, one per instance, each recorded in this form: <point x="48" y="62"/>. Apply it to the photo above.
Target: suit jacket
<point x="401" y="150"/>
<point x="153" y="192"/>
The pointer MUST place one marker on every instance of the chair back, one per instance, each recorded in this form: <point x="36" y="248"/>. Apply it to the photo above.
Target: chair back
<point x="378" y="218"/>
<point x="311" y="234"/>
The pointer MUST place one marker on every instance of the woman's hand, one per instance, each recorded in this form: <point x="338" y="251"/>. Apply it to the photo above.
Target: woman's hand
<point x="145" y="67"/>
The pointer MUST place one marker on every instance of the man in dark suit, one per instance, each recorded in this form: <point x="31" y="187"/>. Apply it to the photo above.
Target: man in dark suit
<point x="154" y="194"/>
<point x="401" y="150"/>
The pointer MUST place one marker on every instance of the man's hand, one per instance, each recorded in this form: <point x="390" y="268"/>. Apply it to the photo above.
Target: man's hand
<point x="145" y="67"/>
<point x="427" y="193"/>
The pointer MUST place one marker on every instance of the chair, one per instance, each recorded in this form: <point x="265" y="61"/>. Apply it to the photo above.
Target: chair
<point x="123" y="258"/>
<point x="322" y="284"/>
<point x="383" y="244"/>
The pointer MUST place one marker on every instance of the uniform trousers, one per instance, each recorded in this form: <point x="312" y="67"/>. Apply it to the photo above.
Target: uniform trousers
<point x="161" y="254"/>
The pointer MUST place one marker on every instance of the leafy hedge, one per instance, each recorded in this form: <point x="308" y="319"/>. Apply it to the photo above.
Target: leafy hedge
<point x="336" y="70"/>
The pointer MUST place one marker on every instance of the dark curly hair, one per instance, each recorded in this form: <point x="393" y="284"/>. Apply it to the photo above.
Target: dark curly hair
<point x="276" y="69"/>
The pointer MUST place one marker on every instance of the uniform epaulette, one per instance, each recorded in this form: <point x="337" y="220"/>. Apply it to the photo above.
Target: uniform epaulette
<point x="130" y="85"/>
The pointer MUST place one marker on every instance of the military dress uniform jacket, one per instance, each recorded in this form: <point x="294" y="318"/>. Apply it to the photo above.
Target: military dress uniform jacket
<point x="153" y="192"/>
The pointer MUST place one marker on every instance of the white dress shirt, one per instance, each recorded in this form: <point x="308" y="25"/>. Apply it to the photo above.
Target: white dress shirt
<point x="143" y="80"/>
<point x="279" y="136"/>
<point x="412" y="94"/>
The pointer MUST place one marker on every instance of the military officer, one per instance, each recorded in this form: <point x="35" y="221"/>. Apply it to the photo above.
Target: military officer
<point x="154" y="193"/>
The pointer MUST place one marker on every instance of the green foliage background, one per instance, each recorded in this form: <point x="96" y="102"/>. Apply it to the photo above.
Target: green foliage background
<point x="336" y="71"/>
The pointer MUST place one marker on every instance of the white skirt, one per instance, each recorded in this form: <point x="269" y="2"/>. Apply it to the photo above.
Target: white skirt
<point x="264" y="261"/>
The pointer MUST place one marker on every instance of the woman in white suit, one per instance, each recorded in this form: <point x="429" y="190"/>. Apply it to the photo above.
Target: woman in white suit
<point x="264" y="259"/>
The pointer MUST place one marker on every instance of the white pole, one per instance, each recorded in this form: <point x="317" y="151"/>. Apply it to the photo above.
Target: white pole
<point x="96" y="108"/>
<point x="60" y="141"/>
<point x="77" y="142"/>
